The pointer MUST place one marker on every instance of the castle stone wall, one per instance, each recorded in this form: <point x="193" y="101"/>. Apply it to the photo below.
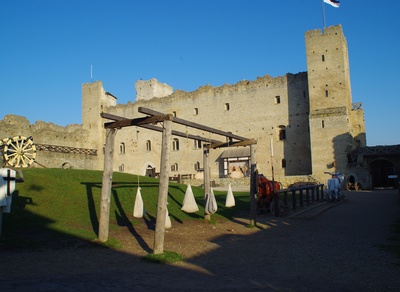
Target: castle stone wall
<point x="49" y="134"/>
<point x="146" y="90"/>
<point x="307" y="117"/>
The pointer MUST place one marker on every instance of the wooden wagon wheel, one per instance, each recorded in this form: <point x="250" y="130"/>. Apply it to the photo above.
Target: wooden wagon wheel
<point x="19" y="152"/>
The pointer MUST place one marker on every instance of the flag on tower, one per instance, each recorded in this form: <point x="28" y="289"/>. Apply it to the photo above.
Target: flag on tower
<point x="334" y="3"/>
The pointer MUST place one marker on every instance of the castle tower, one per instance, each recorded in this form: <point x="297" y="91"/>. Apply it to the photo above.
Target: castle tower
<point x="332" y="133"/>
<point x="95" y="101"/>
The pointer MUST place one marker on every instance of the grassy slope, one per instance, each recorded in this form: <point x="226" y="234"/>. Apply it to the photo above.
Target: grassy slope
<point x="60" y="205"/>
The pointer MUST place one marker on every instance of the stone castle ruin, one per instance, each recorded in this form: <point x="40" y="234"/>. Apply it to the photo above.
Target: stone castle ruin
<point x="308" y="118"/>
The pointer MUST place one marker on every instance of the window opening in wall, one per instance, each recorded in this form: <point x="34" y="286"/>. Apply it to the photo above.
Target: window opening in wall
<point x="195" y="111"/>
<point x="323" y="58"/>
<point x="174" y="113"/>
<point x="148" y="145"/>
<point x="283" y="163"/>
<point x="227" y="107"/>
<point x="174" y="167"/>
<point x="277" y="99"/>
<point x="326" y="93"/>
<point x="197" y="144"/>
<point x="122" y="148"/>
<point x="197" y="166"/>
<point x="175" y="144"/>
<point x="121" y="167"/>
<point x="282" y="133"/>
<point x="323" y="124"/>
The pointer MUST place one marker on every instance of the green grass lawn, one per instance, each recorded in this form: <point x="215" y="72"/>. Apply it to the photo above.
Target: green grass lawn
<point x="62" y="205"/>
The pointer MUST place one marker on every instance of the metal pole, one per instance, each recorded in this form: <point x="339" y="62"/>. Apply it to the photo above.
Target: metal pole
<point x="323" y="14"/>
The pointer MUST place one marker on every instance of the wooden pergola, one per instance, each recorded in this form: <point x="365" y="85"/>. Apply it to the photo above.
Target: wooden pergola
<point x="150" y="122"/>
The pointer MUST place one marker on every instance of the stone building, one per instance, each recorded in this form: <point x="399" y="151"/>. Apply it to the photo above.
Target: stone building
<point x="308" y="119"/>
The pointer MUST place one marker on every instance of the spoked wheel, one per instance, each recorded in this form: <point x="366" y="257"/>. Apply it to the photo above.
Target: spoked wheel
<point x="19" y="152"/>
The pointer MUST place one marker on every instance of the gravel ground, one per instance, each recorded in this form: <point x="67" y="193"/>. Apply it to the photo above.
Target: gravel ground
<point x="338" y="250"/>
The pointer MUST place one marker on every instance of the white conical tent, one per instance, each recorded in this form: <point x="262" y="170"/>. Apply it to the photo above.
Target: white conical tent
<point x="138" y="209"/>
<point x="230" y="199"/>
<point x="189" y="202"/>
<point x="211" y="204"/>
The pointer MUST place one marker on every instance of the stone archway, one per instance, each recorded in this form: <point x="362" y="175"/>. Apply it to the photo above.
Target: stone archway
<point x="66" y="165"/>
<point x="381" y="169"/>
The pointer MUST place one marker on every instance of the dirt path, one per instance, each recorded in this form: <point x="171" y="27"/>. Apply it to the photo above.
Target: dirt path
<point x="339" y="250"/>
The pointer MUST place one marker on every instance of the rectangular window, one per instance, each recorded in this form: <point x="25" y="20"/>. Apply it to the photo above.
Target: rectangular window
<point x="174" y="167"/>
<point x="277" y="99"/>
<point x="323" y="58"/>
<point x="122" y="148"/>
<point x="282" y="134"/>
<point x="326" y="93"/>
<point x="175" y="144"/>
<point x="227" y="107"/>
<point x="197" y="144"/>
<point x="148" y="145"/>
<point x="195" y="111"/>
<point x="323" y="124"/>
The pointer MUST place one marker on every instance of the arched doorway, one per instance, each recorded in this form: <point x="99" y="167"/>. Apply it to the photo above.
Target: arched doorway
<point x="150" y="171"/>
<point x="380" y="172"/>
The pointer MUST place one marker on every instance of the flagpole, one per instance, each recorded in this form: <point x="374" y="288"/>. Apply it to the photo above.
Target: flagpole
<point x="323" y="15"/>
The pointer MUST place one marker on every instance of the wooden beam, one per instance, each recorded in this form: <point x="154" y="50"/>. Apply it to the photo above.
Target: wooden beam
<point x="112" y="117"/>
<point x="233" y="144"/>
<point x="193" y="125"/>
<point x="180" y="134"/>
<point x="145" y="122"/>
<point x="138" y="121"/>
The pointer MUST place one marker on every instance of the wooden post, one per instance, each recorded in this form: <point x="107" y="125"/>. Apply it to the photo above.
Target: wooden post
<point x="104" y="220"/>
<point x="294" y="199"/>
<point x="163" y="187"/>
<point x="206" y="173"/>
<point x="253" y="185"/>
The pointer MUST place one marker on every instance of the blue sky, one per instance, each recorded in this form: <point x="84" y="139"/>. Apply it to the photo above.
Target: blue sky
<point x="48" y="46"/>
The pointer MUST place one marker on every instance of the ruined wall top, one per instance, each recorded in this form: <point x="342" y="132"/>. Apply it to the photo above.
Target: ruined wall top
<point x="146" y="90"/>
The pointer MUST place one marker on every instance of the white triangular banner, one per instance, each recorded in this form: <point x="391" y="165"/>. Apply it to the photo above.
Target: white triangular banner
<point x="138" y="209"/>
<point x="167" y="219"/>
<point x="189" y="202"/>
<point x="230" y="199"/>
<point x="211" y="204"/>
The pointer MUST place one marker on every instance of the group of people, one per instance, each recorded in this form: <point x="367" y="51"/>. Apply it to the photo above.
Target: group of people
<point x="332" y="193"/>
